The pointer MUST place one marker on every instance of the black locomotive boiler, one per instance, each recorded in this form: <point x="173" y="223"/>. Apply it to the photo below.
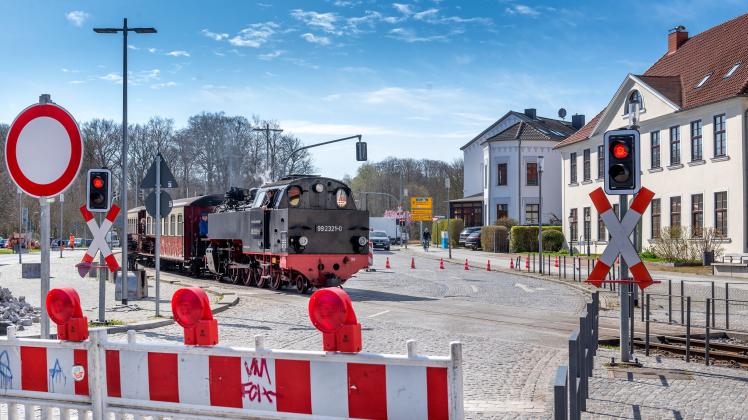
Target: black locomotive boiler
<point x="303" y="231"/>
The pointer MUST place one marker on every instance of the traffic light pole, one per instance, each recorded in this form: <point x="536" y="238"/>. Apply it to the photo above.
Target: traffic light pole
<point x="624" y="292"/>
<point x="158" y="234"/>
<point x="102" y="283"/>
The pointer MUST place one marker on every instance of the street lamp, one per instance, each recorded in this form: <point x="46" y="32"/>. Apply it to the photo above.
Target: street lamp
<point x="123" y="203"/>
<point x="540" y="212"/>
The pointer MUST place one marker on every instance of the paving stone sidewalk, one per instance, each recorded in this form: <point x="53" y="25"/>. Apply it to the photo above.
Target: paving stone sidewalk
<point x="64" y="274"/>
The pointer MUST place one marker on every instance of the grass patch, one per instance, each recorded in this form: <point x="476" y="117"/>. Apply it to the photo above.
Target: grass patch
<point x="609" y="346"/>
<point x="108" y="323"/>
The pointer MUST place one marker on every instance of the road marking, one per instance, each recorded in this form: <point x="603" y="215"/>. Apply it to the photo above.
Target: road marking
<point x="525" y="288"/>
<point x="378" y="313"/>
<point x="475" y="289"/>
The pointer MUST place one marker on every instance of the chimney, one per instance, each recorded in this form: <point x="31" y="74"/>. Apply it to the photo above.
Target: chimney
<point x="531" y="112"/>
<point x="577" y="121"/>
<point x="676" y="38"/>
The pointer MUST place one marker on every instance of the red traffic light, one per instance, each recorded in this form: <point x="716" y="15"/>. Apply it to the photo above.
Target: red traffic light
<point x="620" y="151"/>
<point x="97" y="182"/>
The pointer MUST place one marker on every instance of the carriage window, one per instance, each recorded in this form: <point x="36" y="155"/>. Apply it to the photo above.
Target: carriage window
<point x="259" y="199"/>
<point x="173" y="225"/>
<point x="294" y="196"/>
<point x="180" y="226"/>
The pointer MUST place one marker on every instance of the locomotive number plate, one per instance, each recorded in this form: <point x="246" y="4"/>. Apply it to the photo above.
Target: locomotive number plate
<point x="329" y="228"/>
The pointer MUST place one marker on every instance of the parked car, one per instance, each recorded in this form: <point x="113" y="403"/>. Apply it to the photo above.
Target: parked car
<point x="2" y="242"/>
<point x="78" y="242"/>
<point x="473" y="240"/>
<point x="380" y="239"/>
<point x="465" y="233"/>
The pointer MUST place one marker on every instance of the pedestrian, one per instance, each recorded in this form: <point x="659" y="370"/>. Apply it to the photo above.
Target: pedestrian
<point x="71" y="242"/>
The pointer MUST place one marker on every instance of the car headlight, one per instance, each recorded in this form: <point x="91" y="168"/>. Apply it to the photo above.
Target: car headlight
<point x="363" y="240"/>
<point x="303" y="241"/>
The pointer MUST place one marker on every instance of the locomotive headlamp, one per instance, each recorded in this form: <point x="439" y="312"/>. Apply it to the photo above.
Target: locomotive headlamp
<point x="64" y="308"/>
<point x="362" y="240"/>
<point x="319" y="188"/>
<point x="331" y="312"/>
<point x="303" y="241"/>
<point x="341" y="198"/>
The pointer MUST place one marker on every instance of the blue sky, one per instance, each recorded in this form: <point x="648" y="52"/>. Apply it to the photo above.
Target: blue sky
<point x="417" y="79"/>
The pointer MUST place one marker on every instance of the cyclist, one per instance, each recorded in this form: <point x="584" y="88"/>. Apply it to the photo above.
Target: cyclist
<point x="426" y="239"/>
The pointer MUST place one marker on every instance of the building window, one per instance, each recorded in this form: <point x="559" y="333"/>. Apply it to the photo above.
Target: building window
<point x="697" y="215"/>
<point x="654" y="141"/>
<point x="180" y="226"/>
<point x="732" y="70"/>
<point x="573" y="168"/>
<point x="701" y="83"/>
<point x="573" y="225"/>
<point x="720" y="137"/>
<point x="656" y="225"/>
<point x="696" y="152"/>
<point x="485" y="176"/>
<point x="674" y="212"/>
<point x="600" y="162"/>
<point x="502" y="211"/>
<point x="720" y="213"/>
<point x="600" y="228"/>
<point x="586" y="170"/>
<point x="532" y="173"/>
<point x="531" y="214"/>
<point x="587" y="224"/>
<point x="501" y="174"/>
<point x="674" y="145"/>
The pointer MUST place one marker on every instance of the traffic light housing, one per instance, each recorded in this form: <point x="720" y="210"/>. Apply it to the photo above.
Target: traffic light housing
<point x="99" y="190"/>
<point x="622" y="162"/>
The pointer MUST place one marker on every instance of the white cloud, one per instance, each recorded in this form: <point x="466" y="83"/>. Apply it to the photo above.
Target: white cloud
<point x="163" y="85"/>
<point x="314" y="39"/>
<point x="178" y="53"/>
<point x="324" y="21"/>
<point x="309" y="127"/>
<point x="254" y="35"/>
<point x="132" y="47"/>
<point x="403" y="8"/>
<point x="77" y="82"/>
<point x="521" y="9"/>
<point x="152" y="50"/>
<point x="134" y="78"/>
<point x="410" y="36"/>
<point x="271" y="55"/>
<point x="77" y="17"/>
<point x="112" y="77"/>
<point x="214" y="35"/>
<point x="426" y="14"/>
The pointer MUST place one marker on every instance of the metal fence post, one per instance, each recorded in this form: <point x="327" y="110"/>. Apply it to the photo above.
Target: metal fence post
<point x="646" y="333"/>
<point x="582" y="362"/>
<point x="97" y="371"/>
<point x="706" y="337"/>
<point x="588" y="268"/>
<point x="596" y="321"/>
<point x="727" y="306"/>
<point x="682" y="294"/>
<point x="632" y="316"/>
<point x="713" y="305"/>
<point x="669" y="301"/>
<point x="560" y="386"/>
<point x="688" y="329"/>
<point x="564" y="266"/>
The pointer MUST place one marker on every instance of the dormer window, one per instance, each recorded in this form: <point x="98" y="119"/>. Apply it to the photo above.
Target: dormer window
<point x="634" y="98"/>
<point x="701" y="83"/>
<point x="732" y="70"/>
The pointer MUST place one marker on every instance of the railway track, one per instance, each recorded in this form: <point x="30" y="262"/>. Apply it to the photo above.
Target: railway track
<point x="729" y="352"/>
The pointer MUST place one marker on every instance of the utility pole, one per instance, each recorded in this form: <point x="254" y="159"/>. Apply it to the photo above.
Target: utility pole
<point x="270" y="154"/>
<point x="123" y="203"/>
<point x="540" y="212"/>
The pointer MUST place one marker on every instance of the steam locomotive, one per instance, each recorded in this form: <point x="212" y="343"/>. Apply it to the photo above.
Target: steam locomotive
<point x="302" y="231"/>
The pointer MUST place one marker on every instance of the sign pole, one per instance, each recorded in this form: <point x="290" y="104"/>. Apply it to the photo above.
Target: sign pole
<point x="62" y="200"/>
<point x="45" y="228"/>
<point x="158" y="234"/>
<point x="624" y="291"/>
<point x="20" y="226"/>
<point x="102" y="284"/>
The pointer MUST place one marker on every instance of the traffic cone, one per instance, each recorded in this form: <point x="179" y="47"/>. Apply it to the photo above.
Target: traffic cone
<point x="511" y="263"/>
<point x="387" y="263"/>
<point x="412" y="263"/>
<point x="488" y="265"/>
<point x="467" y="267"/>
<point x="555" y="264"/>
<point x="441" y="263"/>
<point x="527" y="263"/>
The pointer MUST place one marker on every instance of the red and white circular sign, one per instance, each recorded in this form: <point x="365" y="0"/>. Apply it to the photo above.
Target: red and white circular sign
<point x="43" y="150"/>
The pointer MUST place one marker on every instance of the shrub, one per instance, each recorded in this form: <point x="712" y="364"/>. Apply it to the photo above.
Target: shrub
<point x="525" y="238"/>
<point x="506" y="222"/>
<point x="490" y="233"/>
<point x="681" y="244"/>
<point x="553" y="240"/>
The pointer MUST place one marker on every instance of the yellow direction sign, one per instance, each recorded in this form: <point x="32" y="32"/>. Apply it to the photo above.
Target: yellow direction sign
<point x="424" y="203"/>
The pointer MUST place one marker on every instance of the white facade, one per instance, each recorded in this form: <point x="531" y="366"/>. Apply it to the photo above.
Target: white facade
<point x="688" y="182"/>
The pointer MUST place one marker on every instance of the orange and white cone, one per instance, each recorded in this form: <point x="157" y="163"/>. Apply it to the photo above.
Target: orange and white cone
<point x="511" y="263"/>
<point x="412" y="263"/>
<point x="467" y="267"/>
<point x="555" y="264"/>
<point x="488" y="265"/>
<point x="441" y="263"/>
<point x="387" y="263"/>
<point x="527" y="263"/>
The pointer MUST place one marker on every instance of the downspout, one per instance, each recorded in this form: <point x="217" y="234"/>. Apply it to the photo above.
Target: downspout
<point x="519" y="173"/>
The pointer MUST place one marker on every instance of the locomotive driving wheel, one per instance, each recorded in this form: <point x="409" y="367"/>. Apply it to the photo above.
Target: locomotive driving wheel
<point x="276" y="280"/>
<point x="301" y="283"/>
<point x="262" y="281"/>
<point x="236" y="276"/>
<point x="250" y="277"/>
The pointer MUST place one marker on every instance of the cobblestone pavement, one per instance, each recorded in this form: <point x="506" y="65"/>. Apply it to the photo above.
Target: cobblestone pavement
<point x="64" y="274"/>
<point x="513" y="329"/>
<point x="678" y="390"/>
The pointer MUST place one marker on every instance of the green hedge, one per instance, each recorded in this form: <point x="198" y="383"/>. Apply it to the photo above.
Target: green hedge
<point x="553" y="240"/>
<point x="489" y="233"/>
<point x="525" y="238"/>
<point x="456" y="226"/>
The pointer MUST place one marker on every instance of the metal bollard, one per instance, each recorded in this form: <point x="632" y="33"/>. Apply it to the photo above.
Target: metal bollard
<point x="559" y="393"/>
<point x="688" y="329"/>
<point x="582" y="357"/>
<point x="588" y="268"/>
<point x="714" y="306"/>
<point x="727" y="306"/>
<point x="706" y="337"/>
<point x="573" y="375"/>
<point x="646" y="332"/>
<point x="682" y="294"/>
<point x="632" y="315"/>
<point x="564" y="266"/>
<point x="669" y="301"/>
<point x="574" y="268"/>
<point x="642" y="305"/>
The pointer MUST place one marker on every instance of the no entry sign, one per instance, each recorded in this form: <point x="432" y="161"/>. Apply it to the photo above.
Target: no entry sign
<point x="43" y="150"/>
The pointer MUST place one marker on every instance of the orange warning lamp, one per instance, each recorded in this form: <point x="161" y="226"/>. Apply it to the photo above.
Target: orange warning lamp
<point x="331" y="312"/>
<point x="191" y="309"/>
<point x="64" y="308"/>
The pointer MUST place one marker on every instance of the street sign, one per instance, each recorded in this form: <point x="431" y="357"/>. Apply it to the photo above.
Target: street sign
<point x="167" y="179"/>
<point x="150" y="204"/>
<point x="620" y="242"/>
<point x="421" y="203"/>
<point x="99" y="240"/>
<point x="43" y="150"/>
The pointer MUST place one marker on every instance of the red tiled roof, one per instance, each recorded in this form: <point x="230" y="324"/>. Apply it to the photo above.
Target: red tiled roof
<point x="676" y="75"/>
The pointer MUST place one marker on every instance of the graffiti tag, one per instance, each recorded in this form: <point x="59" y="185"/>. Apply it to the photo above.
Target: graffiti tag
<point x="254" y="388"/>
<point x="57" y="376"/>
<point x="6" y="373"/>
